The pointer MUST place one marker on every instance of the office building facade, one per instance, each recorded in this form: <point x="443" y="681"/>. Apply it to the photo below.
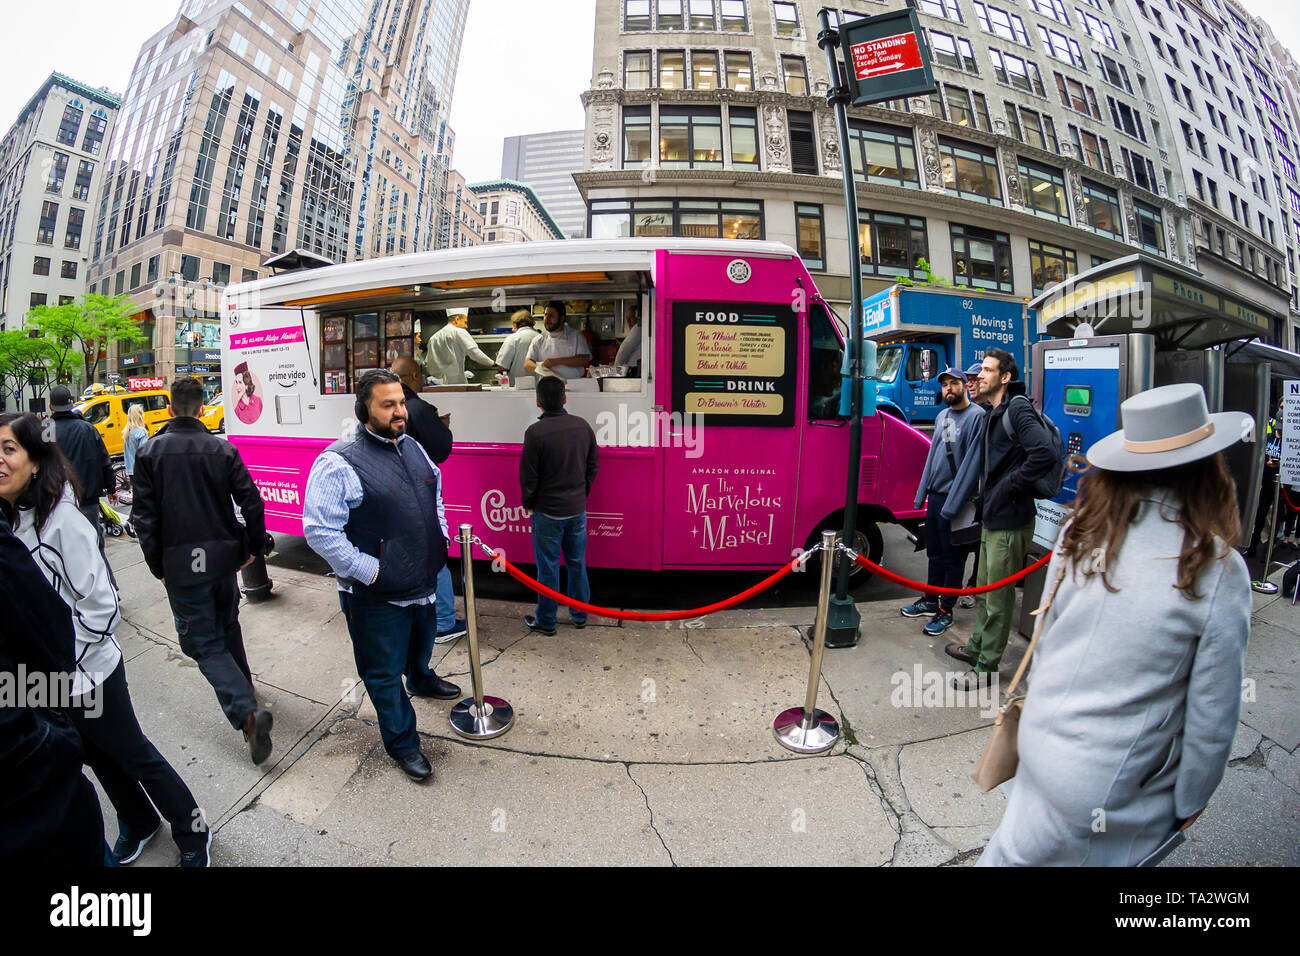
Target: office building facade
<point x="461" y="206"/>
<point x="1041" y="155"/>
<point x="253" y="128"/>
<point x="547" y="162"/>
<point x="513" y="212"/>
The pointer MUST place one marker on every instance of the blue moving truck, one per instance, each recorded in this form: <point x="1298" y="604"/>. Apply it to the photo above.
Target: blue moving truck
<point x="921" y="332"/>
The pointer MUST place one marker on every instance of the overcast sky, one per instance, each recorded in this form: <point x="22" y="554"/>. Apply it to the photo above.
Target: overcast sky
<point x="524" y="63"/>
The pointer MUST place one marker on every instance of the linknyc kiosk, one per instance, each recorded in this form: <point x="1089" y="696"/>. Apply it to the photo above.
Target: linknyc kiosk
<point x="1127" y="326"/>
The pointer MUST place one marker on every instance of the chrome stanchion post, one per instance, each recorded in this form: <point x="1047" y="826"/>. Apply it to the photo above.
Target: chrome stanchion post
<point x="1264" y="585"/>
<point x="479" y="717"/>
<point x="806" y="729"/>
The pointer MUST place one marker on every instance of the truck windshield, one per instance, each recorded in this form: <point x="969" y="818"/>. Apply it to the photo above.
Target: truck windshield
<point x="887" y="364"/>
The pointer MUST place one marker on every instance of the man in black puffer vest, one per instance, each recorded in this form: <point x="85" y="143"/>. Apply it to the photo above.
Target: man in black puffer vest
<point x="374" y="511"/>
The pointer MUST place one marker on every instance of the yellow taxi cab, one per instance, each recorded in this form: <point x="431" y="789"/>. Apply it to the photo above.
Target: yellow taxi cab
<point x="213" y="414"/>
<point x="107" y="412"/>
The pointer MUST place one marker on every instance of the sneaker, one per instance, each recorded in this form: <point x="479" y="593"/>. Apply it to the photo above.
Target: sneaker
<point x="530" y="622"/>
<point x="580" y="624"/>
<point x="972" y="679"/>
<point x="921" y="608"/>
<point x="201" y="856"/>
<point x="455" y="632"/>
<point x="966" y="601"/>
<point x="938" y="624"/>
<point x="128" y="846"/>
<point x="959" y="652"/>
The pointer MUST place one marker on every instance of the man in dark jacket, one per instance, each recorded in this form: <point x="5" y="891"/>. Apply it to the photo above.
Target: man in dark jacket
<point x="1002" y="468"/>
<point x="185" y="480"/>
<point x="431" y="430"/>
<point x="556" y="472"/>
<point x="82" y="445"/>
<point x="49" y="813"/>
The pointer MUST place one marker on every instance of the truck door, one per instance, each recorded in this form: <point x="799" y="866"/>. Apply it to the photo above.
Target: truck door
<point x="921" y="372"/>
<point x="734" y="400"/>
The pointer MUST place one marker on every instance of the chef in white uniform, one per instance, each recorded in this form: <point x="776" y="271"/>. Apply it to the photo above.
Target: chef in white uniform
<point x="560" y="350"/>
<point x="450" y="346"/>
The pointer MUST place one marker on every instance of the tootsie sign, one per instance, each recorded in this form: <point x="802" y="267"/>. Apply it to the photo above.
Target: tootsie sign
<point x="887" y="57"/>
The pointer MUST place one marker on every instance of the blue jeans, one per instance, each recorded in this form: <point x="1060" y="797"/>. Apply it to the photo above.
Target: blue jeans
<point x="446" y="601"/>
<point x="551" y="536"/>
<point x="387" y="643"/>
<point x="946" y="563"/>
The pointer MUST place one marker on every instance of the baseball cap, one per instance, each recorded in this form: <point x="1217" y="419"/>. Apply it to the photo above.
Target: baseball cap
<point x="60" y="399"/>
<point x="954" y="373"/>
<point x="974" y="369"/>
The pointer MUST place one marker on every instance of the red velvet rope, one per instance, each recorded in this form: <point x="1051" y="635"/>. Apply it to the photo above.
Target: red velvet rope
<point x="1288" y="500"/>
<point x="899" y="579"/>
<point x="559" y="598"/>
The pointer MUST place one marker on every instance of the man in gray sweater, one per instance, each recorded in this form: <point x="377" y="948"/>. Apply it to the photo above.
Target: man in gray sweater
<point x="556" y="472"/>
<point x="955" y="427"/>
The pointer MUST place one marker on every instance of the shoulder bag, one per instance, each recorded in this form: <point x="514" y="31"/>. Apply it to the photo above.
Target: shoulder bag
<point x="1001" y="754"/>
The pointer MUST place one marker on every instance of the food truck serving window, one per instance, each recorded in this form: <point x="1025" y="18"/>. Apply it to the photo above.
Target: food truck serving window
<point x="353" y="343"/>
<point x="734" y="362"/>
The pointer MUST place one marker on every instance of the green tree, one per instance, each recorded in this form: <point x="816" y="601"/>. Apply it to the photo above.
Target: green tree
<point x="80" y="330"/>
<point x="28" y="361"/>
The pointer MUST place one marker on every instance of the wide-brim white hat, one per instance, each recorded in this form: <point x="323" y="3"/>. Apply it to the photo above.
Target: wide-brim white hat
<point x="1166" y="427"/>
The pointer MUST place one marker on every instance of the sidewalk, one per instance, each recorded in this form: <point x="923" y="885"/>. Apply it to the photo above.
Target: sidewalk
<point x="635" y="744"/>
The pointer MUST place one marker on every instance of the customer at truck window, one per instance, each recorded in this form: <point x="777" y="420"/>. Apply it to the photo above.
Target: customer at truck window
<point x="1002" y="469"/>
<point x="561" y="350"/>
<point x="1137" y="674"/>
<point x="629" y="352"/>
<point x="514" y="350"/>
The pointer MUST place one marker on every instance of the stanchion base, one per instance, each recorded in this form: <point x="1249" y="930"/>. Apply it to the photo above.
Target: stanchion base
<point x="1263" y="587"/>
<point x="821" y="735"/>
<point x="467" y="722"/>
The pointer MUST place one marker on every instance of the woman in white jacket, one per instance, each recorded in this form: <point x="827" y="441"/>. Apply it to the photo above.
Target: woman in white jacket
<point x="38" y="482"/>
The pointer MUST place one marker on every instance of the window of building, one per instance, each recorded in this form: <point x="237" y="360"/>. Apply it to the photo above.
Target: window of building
<point x="787" y="18"/>
<point x="1051" y="8"/>
<point x="1042" y="190"/>
<point x="969" y="170"/>
<point x="45" y="229"/>
<point x="37" y="299"/>
<point x="701" y="14"/>
<point x="952" y="52"/>
<point x="1139" y="169"/>
<point x="1039" y="130"/>
<point x="1127" y="119"/>
<point x="68" y="126"/>
<point x="803" y="145"/>
<point x="65" y="300"/>
<point x="672" y="69"/>
<point x="690" y="137"/>
<point x="151" y="273"/>
<point x="221" y="273"/>
<point x="636" y="14"/>
<point x="1050" y="265"/>
<point x="796" y="75"/>
<point x="704" y="69"/>
<point x="41" y="266"/>
<point x="81" y="186"/>
<point x="744" y="137"/>
<point x="1098" y="29"/>
<point x="700" y="218"/>
<point x="1001" y="23"/>
<point x="981" y="259"/>
<point x="57" y="172"/>
<point x="1077" y="97"/>
<point x="1016" y="72"/>
<point x="135" y="277"/>
<point x="883" y="154"/>
<point x="892" y="244"/>
<point x="1150" y="227"/>
<point x="95" y="128"/>
<point x="1013" y="120"/>
<point x="1113" y="73"/>
<point x="966" y="108"/>
<point x="734" y="17"/>
<point x="72" y="236"/>
<point x="190" y="268"/>
<point x="668" y="15"/>
<point x="740" y="71"/>
<point x="119" y="282"/>
<point x="68" y="269"/>
<point x="248" y="275"/>
<point x="636" y="70"/>
<point x="1060" y="47"/>
<point x="811" y="231"/>
<point x="1101" y="211"/>
<point x="947" y="9"/>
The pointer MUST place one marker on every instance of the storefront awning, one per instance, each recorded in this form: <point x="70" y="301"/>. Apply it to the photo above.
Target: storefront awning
<point x="1141" y="294"/>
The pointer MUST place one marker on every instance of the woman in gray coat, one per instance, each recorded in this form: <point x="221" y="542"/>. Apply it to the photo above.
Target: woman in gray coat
<point x="1136" y="682"/>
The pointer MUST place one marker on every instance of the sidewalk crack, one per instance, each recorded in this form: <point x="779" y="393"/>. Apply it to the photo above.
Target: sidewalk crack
<point x="650" y="810"/>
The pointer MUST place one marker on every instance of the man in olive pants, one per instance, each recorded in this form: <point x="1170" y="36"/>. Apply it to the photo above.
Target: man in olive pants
<point x="1003" y="467"/>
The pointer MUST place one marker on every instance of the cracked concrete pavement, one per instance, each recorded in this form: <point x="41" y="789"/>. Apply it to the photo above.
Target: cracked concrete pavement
<point x="637" y="744"/>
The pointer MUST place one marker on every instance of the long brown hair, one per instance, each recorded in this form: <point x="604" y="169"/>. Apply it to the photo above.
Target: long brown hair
<point x="1203" y="494"/>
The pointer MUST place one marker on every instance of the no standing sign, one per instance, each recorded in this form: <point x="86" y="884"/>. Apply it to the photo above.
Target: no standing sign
<point x="887" y="57"/>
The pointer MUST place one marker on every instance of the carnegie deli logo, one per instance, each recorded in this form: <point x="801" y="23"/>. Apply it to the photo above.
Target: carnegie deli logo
<point x="500" y="518"/>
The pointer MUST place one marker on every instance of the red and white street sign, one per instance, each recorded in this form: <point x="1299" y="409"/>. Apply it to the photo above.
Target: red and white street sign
<point x="139" y="384"/>
<point x="886" y="55"/>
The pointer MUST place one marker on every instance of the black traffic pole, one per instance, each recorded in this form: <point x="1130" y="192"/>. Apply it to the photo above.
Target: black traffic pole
<point x="843" y="620"/>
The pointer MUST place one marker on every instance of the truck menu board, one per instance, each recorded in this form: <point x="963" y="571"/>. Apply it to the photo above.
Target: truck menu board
<point x="734" y="362"/>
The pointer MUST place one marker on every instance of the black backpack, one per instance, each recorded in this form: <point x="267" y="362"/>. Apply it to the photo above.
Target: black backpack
<point x="1050" y="485"/>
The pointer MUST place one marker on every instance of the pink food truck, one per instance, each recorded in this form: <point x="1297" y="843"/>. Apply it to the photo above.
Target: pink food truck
<point x="724" y="452"/>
